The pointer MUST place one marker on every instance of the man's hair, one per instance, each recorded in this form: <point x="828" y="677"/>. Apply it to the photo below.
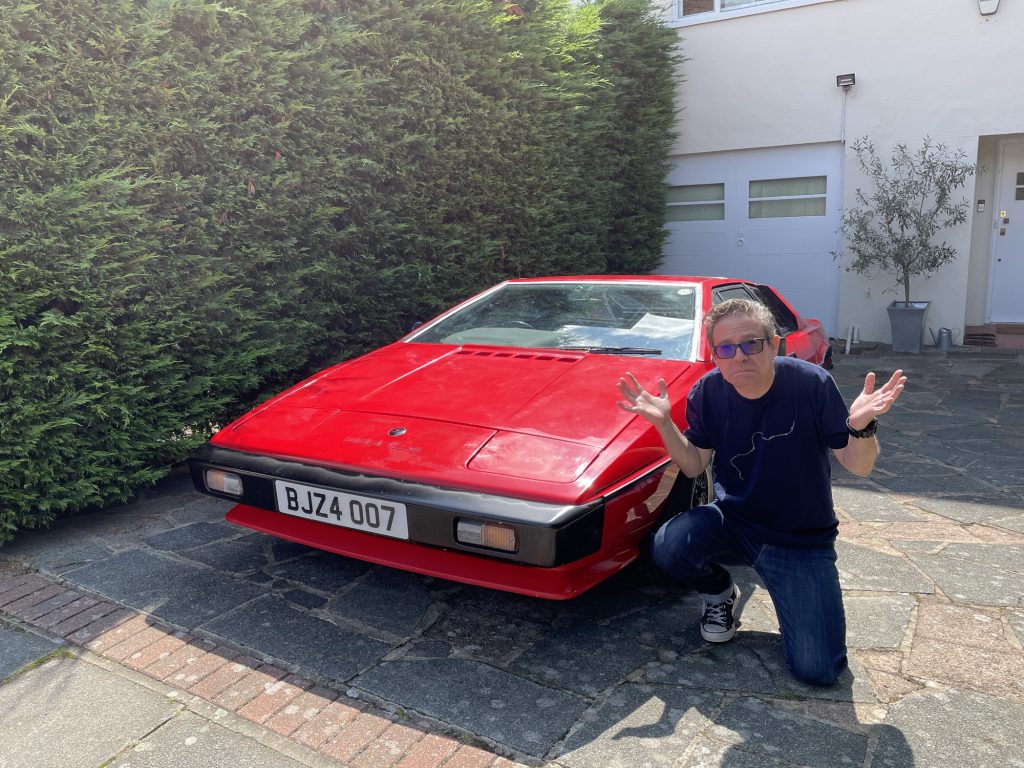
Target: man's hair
<point x="753" y="310"/>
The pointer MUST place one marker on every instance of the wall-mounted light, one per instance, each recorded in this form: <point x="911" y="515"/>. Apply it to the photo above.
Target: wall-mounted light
<point x="988" y="7"/>
<point x="846" y="82"/>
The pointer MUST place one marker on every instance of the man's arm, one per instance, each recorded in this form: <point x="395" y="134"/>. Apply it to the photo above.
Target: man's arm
<point x="860" y="453"/>
<point x="657" y="410"/>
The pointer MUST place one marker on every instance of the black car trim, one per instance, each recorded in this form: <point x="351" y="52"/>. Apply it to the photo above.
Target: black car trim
<point x="549" y="534"/>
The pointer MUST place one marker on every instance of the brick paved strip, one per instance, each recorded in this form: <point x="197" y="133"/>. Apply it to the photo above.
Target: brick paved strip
<point x="214" y="685"/>
<point x="388" y="748"/>
<point x="21" y="587"/>
<point x="21" y="605"/>
<point x="300" y="711"/>
<point x="430" y="752"/>
<point x="77" y="622"/>
<point x="132" y="625"/>
<point x="330" y="720"/>
<point x="10" y="579"/>
<point x="55" y="603"/>
<point x="355" y="736"/>
<point x="196" y="665"/>
<point x="274" y="698"/>
<point x="66" y="611"/>
<point x="91" y="631"/>
<point x="166" y="666"/>
<point x="137" y="642"/>
<point x="161" y="649"/>
<point x="470" y="757"/>
<point x="249" y="687"/>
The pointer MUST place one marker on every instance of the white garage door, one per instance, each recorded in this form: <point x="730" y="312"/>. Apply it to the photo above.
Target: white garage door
<point x="767" y="215"/>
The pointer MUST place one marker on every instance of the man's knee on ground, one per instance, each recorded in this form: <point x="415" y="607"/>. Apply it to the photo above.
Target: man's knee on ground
<point x="820" y="675"/>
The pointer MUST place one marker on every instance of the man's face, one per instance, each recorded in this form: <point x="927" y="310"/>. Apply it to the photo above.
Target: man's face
<point x="752" y="375"/>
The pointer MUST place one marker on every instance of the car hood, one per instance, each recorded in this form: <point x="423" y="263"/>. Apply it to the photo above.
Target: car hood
<point x="456" y="415"/>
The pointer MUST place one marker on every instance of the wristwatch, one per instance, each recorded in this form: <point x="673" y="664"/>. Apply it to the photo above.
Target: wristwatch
<point x="868" y="431"/>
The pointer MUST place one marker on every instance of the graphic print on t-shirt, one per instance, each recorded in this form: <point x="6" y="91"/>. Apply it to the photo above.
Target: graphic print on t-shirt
<point x="753" y="446"/>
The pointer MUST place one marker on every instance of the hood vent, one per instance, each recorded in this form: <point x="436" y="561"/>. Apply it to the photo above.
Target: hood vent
<point x="518" y="355"/>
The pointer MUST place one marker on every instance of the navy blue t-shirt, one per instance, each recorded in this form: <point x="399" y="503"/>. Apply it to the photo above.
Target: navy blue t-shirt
<point x="771" y="463"/>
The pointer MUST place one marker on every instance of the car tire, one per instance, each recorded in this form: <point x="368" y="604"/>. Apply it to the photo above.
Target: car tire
<point x="686" y="494"/>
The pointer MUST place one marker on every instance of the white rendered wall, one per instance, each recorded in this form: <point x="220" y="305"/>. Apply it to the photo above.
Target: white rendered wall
<point x="923" y="67"/>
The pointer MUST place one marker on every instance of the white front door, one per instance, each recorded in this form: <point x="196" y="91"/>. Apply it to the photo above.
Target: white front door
<point x="765" y="215"/>
<point x="1007" y="278"/>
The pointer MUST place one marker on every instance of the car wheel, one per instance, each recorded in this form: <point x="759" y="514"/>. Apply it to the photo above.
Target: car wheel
<point x="686" y="494"/>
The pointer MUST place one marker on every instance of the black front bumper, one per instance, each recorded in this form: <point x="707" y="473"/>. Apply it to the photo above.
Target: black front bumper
<point x="548" y="534"/>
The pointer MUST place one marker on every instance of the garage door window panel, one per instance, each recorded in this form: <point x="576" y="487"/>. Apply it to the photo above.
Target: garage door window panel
<point x="780" y="198"/>
<point x="696" y="202"/>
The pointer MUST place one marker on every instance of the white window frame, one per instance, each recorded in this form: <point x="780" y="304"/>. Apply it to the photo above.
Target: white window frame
<point x="676" y="19"/>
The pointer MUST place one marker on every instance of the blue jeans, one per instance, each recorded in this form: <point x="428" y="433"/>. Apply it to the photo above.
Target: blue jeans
<point x="802" y="581"/>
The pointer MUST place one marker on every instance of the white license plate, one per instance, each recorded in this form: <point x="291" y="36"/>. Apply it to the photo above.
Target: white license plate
<point x="348" y="510"/>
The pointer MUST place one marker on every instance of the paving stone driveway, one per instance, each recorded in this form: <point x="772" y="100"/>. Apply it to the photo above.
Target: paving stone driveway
<point x="931" y="560"/>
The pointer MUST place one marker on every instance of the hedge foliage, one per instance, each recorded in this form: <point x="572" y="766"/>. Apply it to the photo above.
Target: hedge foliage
<point x="203" y="201"/>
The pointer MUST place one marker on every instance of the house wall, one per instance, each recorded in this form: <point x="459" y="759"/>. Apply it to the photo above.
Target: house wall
<point x="924" y="68"/>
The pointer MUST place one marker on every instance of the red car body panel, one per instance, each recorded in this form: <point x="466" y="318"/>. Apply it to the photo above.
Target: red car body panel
<point x="540" y="425"/>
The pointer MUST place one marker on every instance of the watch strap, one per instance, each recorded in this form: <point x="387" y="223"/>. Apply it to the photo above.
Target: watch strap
<point x="868" y="431"/>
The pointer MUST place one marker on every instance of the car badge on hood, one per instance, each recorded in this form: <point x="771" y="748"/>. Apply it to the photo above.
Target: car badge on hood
<point x="396" y="431"/>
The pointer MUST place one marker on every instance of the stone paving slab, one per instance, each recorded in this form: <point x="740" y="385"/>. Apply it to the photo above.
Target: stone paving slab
<point x="19" y="648"/>
<point x="867" y="569"/>
<point x="866" y="503"/>
<point x="392" y="602"/>
<point x="479" y="698"/>
<point x="965" y="580"/>
<point x="877" y="621"/>
<point x="275" y="628"/>
<point x="41" y="715"/>
<point x="640" y="725"/>
<point x="195" y="741"/>
<point x="584" y="658"/>
<point x="171" y="589"/>
<point x="765" y="730"/>
<point x="953" y="728"/>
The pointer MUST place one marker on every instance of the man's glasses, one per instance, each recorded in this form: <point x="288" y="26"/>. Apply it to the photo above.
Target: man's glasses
<point x="749" y="347"/>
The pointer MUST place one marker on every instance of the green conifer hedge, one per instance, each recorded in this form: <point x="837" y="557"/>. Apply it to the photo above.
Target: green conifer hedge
<point x="203" y="201"/>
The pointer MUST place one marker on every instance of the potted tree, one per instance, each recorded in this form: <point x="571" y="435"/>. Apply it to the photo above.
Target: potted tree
<point x="892" y="227"/>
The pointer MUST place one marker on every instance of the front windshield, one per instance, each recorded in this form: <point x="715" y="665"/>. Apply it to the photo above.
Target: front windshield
<point x="645" y="319"/>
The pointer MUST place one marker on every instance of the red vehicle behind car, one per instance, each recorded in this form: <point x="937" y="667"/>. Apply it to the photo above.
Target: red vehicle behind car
<point x="486" y="446"/>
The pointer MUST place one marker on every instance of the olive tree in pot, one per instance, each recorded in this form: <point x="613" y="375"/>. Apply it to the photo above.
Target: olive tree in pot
<point x="892" y="228"/>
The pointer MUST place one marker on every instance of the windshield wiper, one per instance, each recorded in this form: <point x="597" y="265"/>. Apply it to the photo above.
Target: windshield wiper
<point x="616" y="350"/>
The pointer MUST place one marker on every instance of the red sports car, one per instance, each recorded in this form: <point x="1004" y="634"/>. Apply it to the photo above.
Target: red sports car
<point x="486" y="446"/>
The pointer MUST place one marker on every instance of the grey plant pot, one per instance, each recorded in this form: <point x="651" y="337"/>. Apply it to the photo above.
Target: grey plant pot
<point x="907" y="323"/>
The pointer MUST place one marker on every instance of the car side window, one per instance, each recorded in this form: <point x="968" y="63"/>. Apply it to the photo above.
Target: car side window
<point x="785" y="320"/>
<point x="735" y="291"/>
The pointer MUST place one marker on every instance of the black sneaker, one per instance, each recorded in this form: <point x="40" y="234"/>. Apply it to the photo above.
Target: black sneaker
<point x="717" y="624"/>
